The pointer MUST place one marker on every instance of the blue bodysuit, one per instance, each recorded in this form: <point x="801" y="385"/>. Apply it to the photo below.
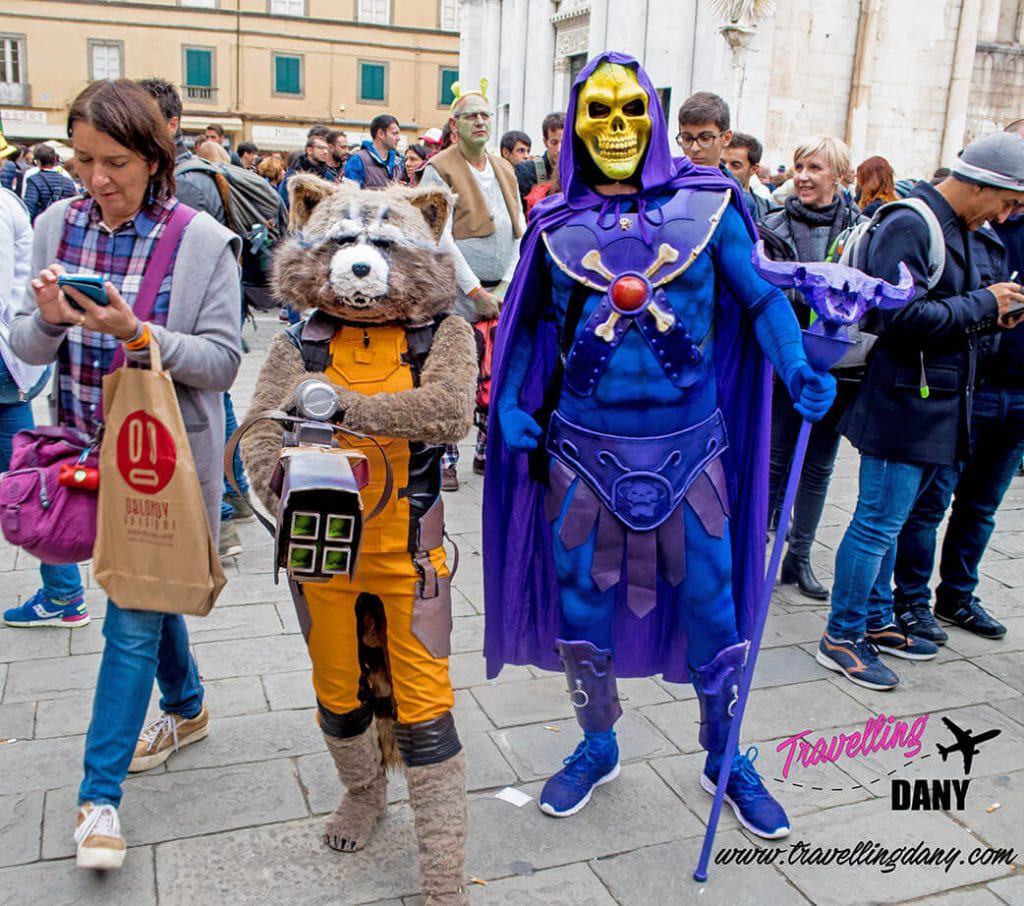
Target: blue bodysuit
<point x="636" y="484"/>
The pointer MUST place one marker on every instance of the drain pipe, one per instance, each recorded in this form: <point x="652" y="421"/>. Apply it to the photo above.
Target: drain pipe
<point x="858" y="111"/>
<point x="960" y="81"/>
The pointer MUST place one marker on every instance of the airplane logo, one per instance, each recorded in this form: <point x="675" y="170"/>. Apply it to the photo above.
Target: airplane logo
<point x="965" y="743"/>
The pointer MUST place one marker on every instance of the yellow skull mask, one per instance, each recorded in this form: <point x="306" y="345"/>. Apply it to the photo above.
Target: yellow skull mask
<point x="612" y="120"/>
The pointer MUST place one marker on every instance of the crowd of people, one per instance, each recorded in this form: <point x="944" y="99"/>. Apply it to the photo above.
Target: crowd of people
<point x="933" y="402"/>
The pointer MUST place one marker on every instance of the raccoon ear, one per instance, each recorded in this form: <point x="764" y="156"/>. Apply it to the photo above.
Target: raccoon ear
<point x="435" y="205"/>
<point x="305" y="192"/>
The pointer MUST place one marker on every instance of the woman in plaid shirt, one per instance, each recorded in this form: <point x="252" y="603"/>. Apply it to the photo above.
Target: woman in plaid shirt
<point x="125" y="157"/>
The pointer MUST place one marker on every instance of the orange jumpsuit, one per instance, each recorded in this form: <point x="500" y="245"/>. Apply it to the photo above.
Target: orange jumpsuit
<point x="401" y="557"/>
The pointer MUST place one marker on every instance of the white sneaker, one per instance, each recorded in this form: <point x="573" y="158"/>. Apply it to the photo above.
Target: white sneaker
<point x="98" y="835"/>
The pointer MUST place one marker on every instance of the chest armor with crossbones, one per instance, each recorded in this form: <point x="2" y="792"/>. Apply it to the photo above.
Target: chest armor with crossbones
<point x="629" y="258"/>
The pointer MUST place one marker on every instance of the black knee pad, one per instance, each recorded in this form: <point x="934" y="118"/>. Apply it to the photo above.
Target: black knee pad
<point x="428" y="742"/>
<point x="347" y="725"/>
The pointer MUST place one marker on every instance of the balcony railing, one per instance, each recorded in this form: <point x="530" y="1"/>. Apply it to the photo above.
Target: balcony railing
<point x="14" y="94"/>
<point x="200" y="93"/>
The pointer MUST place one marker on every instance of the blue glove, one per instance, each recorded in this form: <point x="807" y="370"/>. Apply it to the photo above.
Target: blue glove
<point x="812" y="393"/>
<point x="521" y="432"/>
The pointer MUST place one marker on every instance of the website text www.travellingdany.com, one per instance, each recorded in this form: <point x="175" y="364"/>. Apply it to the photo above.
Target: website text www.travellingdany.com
<point x="865" y="853"/>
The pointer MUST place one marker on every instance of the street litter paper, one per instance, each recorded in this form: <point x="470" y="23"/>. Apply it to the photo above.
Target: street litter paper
<point x="516" y="797"/>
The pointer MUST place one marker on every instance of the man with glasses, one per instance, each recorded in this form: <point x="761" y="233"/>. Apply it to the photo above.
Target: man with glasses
<point x="314" y="161"/>
<point x="704" y="131"/>
<point x="376" y="165"/>
<point x="703" y="136"/>
<point x="482" y="234"/>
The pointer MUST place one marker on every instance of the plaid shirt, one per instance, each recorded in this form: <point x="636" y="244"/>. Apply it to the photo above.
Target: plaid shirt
<point x="88" y="246"/>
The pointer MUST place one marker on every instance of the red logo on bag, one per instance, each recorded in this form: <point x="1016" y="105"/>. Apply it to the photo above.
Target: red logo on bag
<point x="146" y="454"/>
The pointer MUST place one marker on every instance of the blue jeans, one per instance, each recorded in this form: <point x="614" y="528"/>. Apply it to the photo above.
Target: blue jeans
<point x="861" y="590"/>
<point x="230" y="426"/>
<point x="61" y="583"/>
<point x="140" y="645"/>
<point x="997" y="427"/>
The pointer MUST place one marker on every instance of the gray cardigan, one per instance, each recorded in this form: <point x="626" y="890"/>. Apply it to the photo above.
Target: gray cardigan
<point x="200" y="346"/>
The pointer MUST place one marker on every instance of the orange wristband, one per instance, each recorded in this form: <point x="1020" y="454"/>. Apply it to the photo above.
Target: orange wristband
<point x="141" y="343"/>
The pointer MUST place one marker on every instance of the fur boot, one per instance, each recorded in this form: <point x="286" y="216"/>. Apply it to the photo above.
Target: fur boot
<point x="437" y="793"/>
<point x="361" y="769"/>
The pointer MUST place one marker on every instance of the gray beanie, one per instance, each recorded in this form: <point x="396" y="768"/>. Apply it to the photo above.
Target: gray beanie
<point x="995" y="160"/>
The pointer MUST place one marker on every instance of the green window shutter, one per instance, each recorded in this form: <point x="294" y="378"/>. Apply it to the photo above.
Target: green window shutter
<point x="372" y="82"/>
<point x="448" y="78"/>
<point x="198" y="68"/>
<point x="287" y="75"/>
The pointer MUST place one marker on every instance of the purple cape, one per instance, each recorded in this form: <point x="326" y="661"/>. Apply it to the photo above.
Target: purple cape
<point x="520" y="591"/>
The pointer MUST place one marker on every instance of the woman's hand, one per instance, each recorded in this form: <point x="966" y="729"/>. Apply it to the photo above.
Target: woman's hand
<point x="115" y="318"/>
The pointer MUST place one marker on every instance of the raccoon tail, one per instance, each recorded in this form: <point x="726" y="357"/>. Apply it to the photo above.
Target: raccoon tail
<point x="389" y="744"/>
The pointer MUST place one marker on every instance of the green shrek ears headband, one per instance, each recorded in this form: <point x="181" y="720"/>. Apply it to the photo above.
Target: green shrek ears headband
<point x="458" y="95"/>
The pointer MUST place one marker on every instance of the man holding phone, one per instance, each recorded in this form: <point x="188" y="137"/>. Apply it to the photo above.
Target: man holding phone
<point x="977" y="487"/>
<point x="910" y="420"/>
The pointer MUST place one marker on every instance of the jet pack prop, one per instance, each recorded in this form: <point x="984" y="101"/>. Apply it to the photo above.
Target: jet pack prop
<point x="318" y="484"/>
<point x="839" y="296"/>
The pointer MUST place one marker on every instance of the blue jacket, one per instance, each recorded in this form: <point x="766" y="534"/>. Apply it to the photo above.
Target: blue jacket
<point x="44" y="188"/>
<point x="1006" y="366"/>
<point x="937" y="332"/>
<point x="355" y="169"/>
<point x="10" y="176"/>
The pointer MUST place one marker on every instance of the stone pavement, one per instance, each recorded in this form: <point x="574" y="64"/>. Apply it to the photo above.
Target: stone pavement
<point x="236" y="818"/>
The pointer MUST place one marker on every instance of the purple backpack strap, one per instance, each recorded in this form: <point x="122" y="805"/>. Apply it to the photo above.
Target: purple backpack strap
<point x="157" y="268"/>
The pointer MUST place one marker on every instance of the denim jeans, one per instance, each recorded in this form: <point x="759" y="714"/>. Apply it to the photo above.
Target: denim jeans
<point x="915" y="547"/>
<point x="997" y="427"/>
<point x="230" y="425"/>
<point x="139" y="645"/>
<point x="861" y="590"/>
<point x="822" y="447"/>
<point x="61" y="583"/>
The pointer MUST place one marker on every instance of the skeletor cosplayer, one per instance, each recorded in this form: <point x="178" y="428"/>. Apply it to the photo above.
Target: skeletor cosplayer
<point x="626" y="488"/>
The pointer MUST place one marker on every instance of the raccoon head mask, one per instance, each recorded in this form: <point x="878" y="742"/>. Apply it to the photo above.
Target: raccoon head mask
<point x="367" y="256"/>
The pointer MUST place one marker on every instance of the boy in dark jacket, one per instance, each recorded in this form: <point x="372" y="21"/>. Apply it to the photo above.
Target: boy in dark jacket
<point x="913" y="410"/>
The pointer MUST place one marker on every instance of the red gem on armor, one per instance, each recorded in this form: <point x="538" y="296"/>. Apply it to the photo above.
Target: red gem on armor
<point x="629" y="293"/>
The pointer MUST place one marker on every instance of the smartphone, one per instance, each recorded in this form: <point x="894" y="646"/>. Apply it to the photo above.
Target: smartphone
<point x="88" y="285"/>
<point x="1014" y="311"/>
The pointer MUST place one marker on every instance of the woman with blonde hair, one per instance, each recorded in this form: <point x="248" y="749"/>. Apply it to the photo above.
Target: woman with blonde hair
<point x="272" y="170"/>
<point x="213" y="152"/>
<point x="877" y="183"/>
<point x="803" y="230"/>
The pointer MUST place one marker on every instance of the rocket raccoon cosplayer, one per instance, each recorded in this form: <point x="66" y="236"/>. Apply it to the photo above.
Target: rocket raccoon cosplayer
<point x="369" y="267"/>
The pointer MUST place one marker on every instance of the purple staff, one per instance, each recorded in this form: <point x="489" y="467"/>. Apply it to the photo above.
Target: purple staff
<point x="839" y="296"/>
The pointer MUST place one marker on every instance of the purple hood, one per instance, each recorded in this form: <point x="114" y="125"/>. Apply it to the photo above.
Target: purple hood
<point x="520" y="591"/>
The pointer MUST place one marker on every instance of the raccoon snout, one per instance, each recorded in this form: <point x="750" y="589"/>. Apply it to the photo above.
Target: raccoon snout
<point x="359" y="270"/>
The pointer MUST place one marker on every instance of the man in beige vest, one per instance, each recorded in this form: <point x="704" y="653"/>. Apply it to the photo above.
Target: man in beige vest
<point x="483" y="231"/>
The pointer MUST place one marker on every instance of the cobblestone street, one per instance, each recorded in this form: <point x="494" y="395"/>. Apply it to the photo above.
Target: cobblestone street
<point x="236" y="818"/>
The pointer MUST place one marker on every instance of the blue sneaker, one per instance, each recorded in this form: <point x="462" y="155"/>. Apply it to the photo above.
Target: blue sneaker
<point x="595" y="761"/>
<point x="755" y="808"/>
<point x="893" y="640"/>
<point x="42" y="610"/>
<point x="857" y="661"/>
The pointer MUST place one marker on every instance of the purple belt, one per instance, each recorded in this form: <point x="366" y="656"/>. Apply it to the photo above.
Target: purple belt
<point x="633" y="487"/>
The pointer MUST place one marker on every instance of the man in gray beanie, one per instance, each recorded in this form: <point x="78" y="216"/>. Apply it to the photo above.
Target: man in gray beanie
<point x="997" y="440"/>
<point x="911" y="415"/>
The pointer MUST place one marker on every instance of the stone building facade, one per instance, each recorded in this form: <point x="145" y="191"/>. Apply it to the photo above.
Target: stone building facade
<point x="263" y="70"/>
<point x="909" y="80"/>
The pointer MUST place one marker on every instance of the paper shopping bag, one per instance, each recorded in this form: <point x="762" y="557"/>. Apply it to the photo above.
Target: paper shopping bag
<point x="154" y="549"/>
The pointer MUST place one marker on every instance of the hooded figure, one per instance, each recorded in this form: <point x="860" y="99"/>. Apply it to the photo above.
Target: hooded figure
<point x="626" y="484"/>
